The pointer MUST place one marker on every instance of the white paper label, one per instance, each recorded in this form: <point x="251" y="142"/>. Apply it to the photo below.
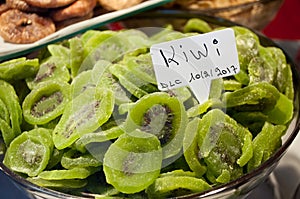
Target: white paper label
<point x="194" y="61"/>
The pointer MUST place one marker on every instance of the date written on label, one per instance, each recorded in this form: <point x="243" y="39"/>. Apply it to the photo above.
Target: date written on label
<point x="212" y="73"/>
<point x="201" y="75"/>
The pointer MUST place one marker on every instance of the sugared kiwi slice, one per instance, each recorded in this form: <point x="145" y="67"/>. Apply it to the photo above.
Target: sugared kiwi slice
<point x="137" y="86"/>
<point x="161" y="115"/>
<point x="84" y="114"/>
<point x="176" y="183"/>
<point x="89" y="78"/>
<point x="224" y="145"/>
<point x="30" y="152"/>
<point x="121" y="94"/>
<point x="265" y="144"/>
<point x="260" y="96"/>
<point x="10" y="100"/>
<point x="191" y="149"/>
<point x="52" y="68"/>
<point x="76" y="55"/>
<point x="111" y="47"/>
<point x="141" y="66"/>
<point x="19" y="68"/>
<point x="133" y="161"/>
<point x="46" y="102"/>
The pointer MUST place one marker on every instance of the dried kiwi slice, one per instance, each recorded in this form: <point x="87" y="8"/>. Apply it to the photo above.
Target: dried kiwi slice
<point x="46" y="102"/>
<point x="67" y="174"/>
<point x="76" y="55"/>
<point x="224" y="145"/>
<point x="133" y="161"/>
<point x="265" y="144"/>
<point x="89" y="78"/>
<point x="98" y="136"/>
<point x="176" y="183"/>
<point x="10" y="99"/>
<point x="59" y="51"/>
<point x="260" y="96"/>
<point x="121" y="94"/>
<point x="275" y="57"/>
<point x="111" y="47"/>
<point x="182" y="93"/>
<point x="53" y="68"/>
<point x="197" y="25"/>
<point x="92" y="39"/>
<point x="19" y="68"/>
<point x="72" y="159"/>
<point x="6" y="132"/>
<point x="4" y="114"/>
<point x="84" y="114"/>
<point x="200" y="109"/>
<point x="161" y="115"/>
<point x="141" y="66"/>
<point x="191" y="149"/>
<point x="259" y="71"/>
<point x="30" y="152"/>
<point x="59" y="184"/>
<point x="82" y="82"/>
<point x="133" y="83"/>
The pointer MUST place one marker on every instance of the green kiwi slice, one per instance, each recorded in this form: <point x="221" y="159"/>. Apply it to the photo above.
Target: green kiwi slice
<point x="46" y="102"/>
<point x="98" y="136"/>
<point x="67" y="174"/>
<point x="141" y="66"/>
<point x="196" y="25"/>
<point x="133" y="83"/>
<point x="89" y="78"/>
<point x="200" y="109"/>
<point x="6" y="132"/>
<point x="259" y="71"/>
<point x="161" y="115"/>
<point x="265" y="144"/>
<point x="52" y="68"/>
<point x="76" y="55"/>
<point x="30" y="152"/>
<point x="73" y="158"/>
<point x="121" y="94"/>
<point x="59" y="51"/>
<point x="191" y="149"/>
<point x="176" y="183"/>
<point x="260" y="96"/>
<point x="111" y="47"/>
<point x="92" y="39"/>
<point x="84" y="114"/>
<point x="133" y="161"/>
<point x="59" y="184"/>
<point x="4" y="114"/>
<point x="10" y="100"/>
<point x="224" y="145"/>
<point x="19" y="68"/>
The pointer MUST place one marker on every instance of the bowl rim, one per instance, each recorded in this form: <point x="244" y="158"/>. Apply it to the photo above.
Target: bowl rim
<point x="242" y="6"/>
<point x="232" y="185"/>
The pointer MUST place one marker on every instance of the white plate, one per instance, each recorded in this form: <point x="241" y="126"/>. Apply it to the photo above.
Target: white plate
<point x="8" y="50"/>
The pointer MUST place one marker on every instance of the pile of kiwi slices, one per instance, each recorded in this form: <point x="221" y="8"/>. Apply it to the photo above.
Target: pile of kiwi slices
<point x="86" y="116"/>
